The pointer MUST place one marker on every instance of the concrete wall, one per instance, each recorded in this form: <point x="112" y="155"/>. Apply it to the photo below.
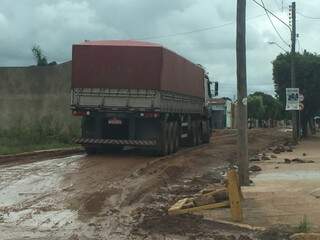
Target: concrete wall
<point x="31" y="96"/>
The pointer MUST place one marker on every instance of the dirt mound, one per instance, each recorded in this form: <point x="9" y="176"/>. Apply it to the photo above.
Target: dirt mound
<point x="190" y="226"/>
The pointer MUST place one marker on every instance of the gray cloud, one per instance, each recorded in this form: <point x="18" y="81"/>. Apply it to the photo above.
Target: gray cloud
<point x="56" y="25"/>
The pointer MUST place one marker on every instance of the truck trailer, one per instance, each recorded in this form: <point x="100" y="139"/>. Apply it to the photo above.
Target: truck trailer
<point x="132" y="93"/>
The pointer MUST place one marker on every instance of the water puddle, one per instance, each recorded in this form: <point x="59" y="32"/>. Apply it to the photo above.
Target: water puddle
<point x="32" y="181"/>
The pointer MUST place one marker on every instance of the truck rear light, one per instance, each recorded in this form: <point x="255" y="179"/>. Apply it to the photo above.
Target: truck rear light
<point x="150" y="115"/>
<point x="80" y="113"/>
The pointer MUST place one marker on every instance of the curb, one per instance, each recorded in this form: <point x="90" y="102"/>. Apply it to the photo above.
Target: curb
<point x="61" y="152"/>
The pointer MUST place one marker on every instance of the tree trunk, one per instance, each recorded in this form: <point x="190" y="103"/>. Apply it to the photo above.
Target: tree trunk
<point x="312" y="126"/>
<point x="304" y="125"/>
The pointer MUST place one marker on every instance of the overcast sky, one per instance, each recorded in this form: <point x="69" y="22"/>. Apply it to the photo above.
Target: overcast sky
<point x="56" y="24"/>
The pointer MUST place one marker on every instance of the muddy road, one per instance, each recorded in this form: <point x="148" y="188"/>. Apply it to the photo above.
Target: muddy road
<point x="115" y="196"/>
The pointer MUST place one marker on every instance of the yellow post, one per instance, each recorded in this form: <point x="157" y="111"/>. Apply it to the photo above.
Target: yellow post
<point x="235" y="196"/>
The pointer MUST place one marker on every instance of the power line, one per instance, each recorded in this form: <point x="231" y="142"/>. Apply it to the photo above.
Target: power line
<point x="305" y="16"/>
<point x="275" y="43"/>
<point x="279" y="19"/>
<point x="274" y="27"/>
<point x="185" y="33"/>
<point x="196" y="30"/>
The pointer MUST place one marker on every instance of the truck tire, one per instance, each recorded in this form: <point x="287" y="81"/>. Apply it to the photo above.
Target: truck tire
<point x="163" y="145"/>
<point x="192" y="135"/>
<point x="171" y="138"/>
<point x="176" y="136"/>
<point x="205" y="132"/>
<point x="206" y="138"/>
<point x="198" y="133"/>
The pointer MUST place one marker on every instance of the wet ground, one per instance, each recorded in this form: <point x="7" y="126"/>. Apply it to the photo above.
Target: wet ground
<point x="116" y="196"/>
<point x="288" y="192"/>
<point x="60" y="197"/>
<point x="285" y="192"/>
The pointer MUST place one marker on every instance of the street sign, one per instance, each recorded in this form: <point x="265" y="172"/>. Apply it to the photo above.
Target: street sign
<point x="301" y="97"/>
<point x="301" y="106"/>
<point x="292" y="96"/>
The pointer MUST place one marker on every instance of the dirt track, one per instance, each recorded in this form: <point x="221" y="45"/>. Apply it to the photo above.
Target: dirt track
<point x="115" y="196"/>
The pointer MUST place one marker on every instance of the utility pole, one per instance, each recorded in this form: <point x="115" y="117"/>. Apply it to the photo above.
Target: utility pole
<point x="295" y="128"/>
<point x="242" y="123"/>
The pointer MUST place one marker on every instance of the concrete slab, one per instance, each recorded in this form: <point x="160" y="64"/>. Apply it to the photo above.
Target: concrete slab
<point x="283" y="193"/>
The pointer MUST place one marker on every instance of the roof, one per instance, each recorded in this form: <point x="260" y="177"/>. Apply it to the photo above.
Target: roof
<point x="120" y="43"/>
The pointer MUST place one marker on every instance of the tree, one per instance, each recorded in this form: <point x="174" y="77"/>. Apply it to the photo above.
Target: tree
<point x="264" y="107"/>
<point x="273" y="108"/>
<point x="255" y="108"/>
<point x="39" y="56"/>
<point x="307" y="80"/>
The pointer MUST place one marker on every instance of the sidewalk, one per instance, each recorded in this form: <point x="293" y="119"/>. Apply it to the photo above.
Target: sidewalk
<point x="283" y="193"/>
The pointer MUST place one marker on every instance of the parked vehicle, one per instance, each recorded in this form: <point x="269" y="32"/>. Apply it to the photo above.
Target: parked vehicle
<point x="132" y="93"/>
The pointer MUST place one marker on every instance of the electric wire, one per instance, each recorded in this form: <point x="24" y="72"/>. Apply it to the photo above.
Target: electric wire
<point x="274" y="27"/>
<point x="267" y="10"/>
<point x="196" y="30"/>
<point x="186" y="33"/>
<point x="305" y="16"/>
<point x="279" y="46"/>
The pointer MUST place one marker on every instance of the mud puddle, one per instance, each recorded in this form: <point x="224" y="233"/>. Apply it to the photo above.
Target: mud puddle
<point x="116" y="196"/>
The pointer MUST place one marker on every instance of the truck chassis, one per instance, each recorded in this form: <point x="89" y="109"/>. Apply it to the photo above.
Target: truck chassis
<point x="161" y="120"/>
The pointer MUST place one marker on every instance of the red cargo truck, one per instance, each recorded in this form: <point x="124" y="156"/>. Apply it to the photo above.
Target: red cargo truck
<point x="132" y="93"/>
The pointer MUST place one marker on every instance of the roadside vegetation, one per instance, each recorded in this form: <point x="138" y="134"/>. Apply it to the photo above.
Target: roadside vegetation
<point x="40" y="134"/>
<point x="40" y="58"/>
<point x="264" y="109"/>
<point x="35" y="116"/>
<point x="307" y="80"/>
<point x="304" y="226"/>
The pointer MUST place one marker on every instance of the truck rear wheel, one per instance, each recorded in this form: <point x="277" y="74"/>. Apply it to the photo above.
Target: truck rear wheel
<point x="192" y="135"/>
<point x="205" y="132"/>
<point x="176" y="137"/>
<point x="163" y="145"/>
<point x="198" y="133"/>
<point x="171" y="138"/>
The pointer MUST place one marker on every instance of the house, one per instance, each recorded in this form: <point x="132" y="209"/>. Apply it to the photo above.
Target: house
<point x="221" y="112"/>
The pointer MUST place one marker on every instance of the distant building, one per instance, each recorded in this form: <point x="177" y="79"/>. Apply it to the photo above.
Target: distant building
<point x="221" y="111"/>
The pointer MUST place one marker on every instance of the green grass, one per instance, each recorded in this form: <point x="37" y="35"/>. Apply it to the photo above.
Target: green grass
<point x="4" y="150"/>
<point x="304" y="226"/>
<point x="40" y="134"/>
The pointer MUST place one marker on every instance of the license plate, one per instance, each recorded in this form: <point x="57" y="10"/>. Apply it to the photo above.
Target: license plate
<point x="115" y="121"/>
